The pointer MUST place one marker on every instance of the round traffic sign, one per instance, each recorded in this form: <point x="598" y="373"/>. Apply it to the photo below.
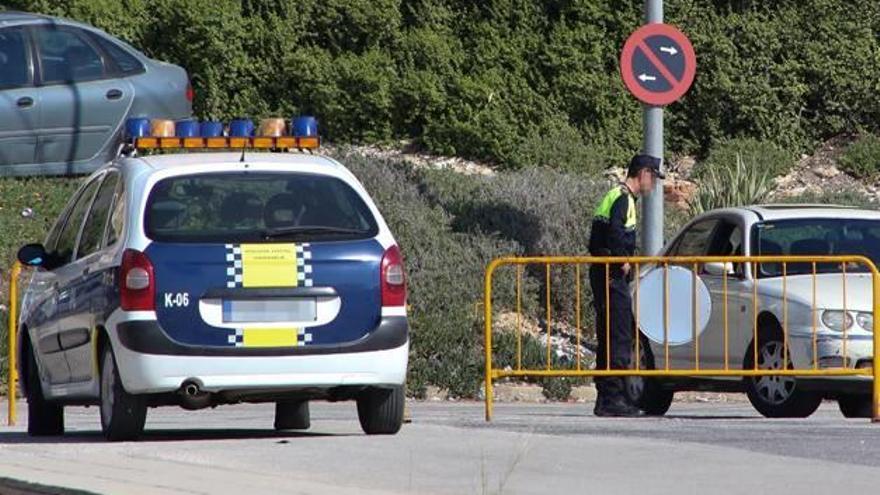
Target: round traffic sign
<point x="658" y="64"/>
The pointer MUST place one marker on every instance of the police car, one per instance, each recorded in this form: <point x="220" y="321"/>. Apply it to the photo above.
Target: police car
<point x="199" y="279"/>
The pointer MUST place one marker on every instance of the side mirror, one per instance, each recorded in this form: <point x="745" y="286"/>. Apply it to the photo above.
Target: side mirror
<point x="718" y="268"/>
<point x="32" y="255"/>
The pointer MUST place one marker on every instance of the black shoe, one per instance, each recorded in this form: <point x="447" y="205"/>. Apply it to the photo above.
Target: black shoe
<point x="616" y="409"/>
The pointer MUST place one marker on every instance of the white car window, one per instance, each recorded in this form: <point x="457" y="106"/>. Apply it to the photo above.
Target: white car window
<point x="695" y="240"/>
<point x="728" y="241"/>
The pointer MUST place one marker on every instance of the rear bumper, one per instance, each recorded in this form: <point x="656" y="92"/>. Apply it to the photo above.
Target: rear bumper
<point x="148" y="337"/>
<point x="149" y="361"/>
<point x="151" y="373"/>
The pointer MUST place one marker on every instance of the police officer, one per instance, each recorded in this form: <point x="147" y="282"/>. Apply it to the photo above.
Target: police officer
<point x="613" y="233"/>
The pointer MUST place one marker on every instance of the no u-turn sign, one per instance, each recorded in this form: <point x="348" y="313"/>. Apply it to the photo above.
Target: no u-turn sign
<point x="658" y="64"/>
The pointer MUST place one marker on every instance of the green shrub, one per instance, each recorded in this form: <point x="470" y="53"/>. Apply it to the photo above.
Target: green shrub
<point x="534" y="356"/>
<point x="28" y="209"/>
<point x="517" y="83"/>
<point x="862" y="158"/>
<point x="722" y="187"/>
<point x="761" y="155"/>
<point x="559" y="145"/>
<point x="444" y="270"/>
<point x="449" y="227"/>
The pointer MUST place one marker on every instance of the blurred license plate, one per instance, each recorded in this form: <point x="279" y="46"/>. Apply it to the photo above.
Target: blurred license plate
<point x="269" y="310"/>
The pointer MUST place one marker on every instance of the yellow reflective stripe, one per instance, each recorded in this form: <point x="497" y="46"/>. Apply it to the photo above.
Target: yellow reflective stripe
<point x="631" y="214"/>
<point x="604" y="208"/>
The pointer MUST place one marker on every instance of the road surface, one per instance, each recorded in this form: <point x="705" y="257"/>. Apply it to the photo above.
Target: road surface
<point x="449" y="449"/>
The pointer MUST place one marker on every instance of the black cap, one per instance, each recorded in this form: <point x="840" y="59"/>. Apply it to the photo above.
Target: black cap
<point x="639" y="162"/>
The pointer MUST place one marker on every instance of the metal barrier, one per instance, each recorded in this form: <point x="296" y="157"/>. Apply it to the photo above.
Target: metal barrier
<point x="12" y="349"/>
<point x="754" y="262"/>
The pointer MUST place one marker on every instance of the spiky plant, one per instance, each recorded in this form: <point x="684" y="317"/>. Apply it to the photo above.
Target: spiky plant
<point x="723" y="187"/>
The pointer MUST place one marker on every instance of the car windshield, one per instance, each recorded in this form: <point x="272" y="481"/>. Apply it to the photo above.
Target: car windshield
<point x="256" y="206"/>
<point x="816" y="236"/>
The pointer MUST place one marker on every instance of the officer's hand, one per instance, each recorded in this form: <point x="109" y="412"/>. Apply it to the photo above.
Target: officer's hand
<point x="625" y="268"/>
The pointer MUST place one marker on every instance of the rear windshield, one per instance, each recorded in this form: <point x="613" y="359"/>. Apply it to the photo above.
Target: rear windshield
<point x="254" y="206"/>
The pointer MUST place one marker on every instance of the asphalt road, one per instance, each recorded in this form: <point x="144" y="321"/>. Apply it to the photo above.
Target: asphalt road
<point x="448" y="449"/>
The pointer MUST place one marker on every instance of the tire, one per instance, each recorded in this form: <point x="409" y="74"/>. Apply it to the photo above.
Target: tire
<point x="380" y="410"/>
<point x="647" y="393"/>
<point x="122" y="414"/>
<point x="292" y="415"/>
<point x="855" y="406"/>
<point x="44" y="418"/>
<point x="776" y="396"/>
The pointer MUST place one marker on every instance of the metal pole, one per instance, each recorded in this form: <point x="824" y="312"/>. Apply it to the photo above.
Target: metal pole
<point x="652" y="204"/>
<point x="12" y="362"/>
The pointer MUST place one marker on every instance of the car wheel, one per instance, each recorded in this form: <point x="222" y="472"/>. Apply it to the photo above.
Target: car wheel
<point x="44" y="418"/>
<point x="776" y="396"/>
<point x="122" y="414"/>
<point x="380" y="410"/>
<point x="292" y="415"/>
<point x="647" y="393"/>
<point x="855" y="406"/>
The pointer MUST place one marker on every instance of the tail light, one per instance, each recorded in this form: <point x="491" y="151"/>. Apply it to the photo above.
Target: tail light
<point x="190" y="93"/>
<point x="393" y="280"/>
<point x="137" y="283"/>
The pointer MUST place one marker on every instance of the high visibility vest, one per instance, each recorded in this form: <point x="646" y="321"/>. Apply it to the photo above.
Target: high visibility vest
<point x="603" y="211"/>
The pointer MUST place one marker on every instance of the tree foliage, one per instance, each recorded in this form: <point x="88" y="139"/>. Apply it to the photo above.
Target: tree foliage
<point x="517" y="82"/>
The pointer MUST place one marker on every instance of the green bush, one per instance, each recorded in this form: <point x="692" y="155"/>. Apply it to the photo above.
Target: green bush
<point x="517" y="83"/>
<point x="449" y="227"/>
<point x="444" y="270"/>
<point x="862" y="158"/>
<point x="763" y="156"/>
<point x="28" y="209"/>
<point x="533" y="356"/>
<point x="722" y="187"/>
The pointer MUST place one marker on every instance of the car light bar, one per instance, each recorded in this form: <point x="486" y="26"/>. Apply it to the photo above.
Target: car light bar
<point x="147" y="134"/>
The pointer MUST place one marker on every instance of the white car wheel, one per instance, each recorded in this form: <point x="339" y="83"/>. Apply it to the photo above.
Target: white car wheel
<point x="776" y="396"/>
<point x="773" y="389"/>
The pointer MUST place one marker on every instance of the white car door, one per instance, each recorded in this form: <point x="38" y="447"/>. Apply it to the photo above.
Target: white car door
<point x="694" y="241"/>
<point x="731" y="295"/>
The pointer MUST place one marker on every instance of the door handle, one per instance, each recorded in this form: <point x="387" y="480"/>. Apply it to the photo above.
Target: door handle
<point x="114" y="94"/>
<point x="25" y="102"/>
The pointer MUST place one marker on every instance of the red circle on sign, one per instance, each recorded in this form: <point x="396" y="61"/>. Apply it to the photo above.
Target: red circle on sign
<point x="636" y="41"/>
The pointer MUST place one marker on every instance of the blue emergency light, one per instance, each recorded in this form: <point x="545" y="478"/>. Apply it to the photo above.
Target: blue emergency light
<point x="299" y="133"/>
<point x="135" y="128"/>
<point x="241" y="128"/>
<point x="306" y="126"/>
<point x="211" y="129"/>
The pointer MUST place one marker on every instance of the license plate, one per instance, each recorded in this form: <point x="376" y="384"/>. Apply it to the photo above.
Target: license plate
<point x="269" y="310"/>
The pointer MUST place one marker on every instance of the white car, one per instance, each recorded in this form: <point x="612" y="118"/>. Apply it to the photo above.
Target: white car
<point x="777" y="230"/>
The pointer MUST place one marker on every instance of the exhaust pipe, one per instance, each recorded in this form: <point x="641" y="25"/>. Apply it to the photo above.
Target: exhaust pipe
<point x="192" y="397"/>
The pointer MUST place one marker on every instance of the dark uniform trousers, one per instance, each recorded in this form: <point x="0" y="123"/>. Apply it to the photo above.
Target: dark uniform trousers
<point x="619" y="338"/>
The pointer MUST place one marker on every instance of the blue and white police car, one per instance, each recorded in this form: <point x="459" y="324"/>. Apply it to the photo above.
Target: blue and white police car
<point x="206" y="278"/>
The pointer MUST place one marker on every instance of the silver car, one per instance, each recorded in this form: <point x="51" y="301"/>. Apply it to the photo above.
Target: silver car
<point x="843" y="324"/>
<point x="66" y="90"/>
